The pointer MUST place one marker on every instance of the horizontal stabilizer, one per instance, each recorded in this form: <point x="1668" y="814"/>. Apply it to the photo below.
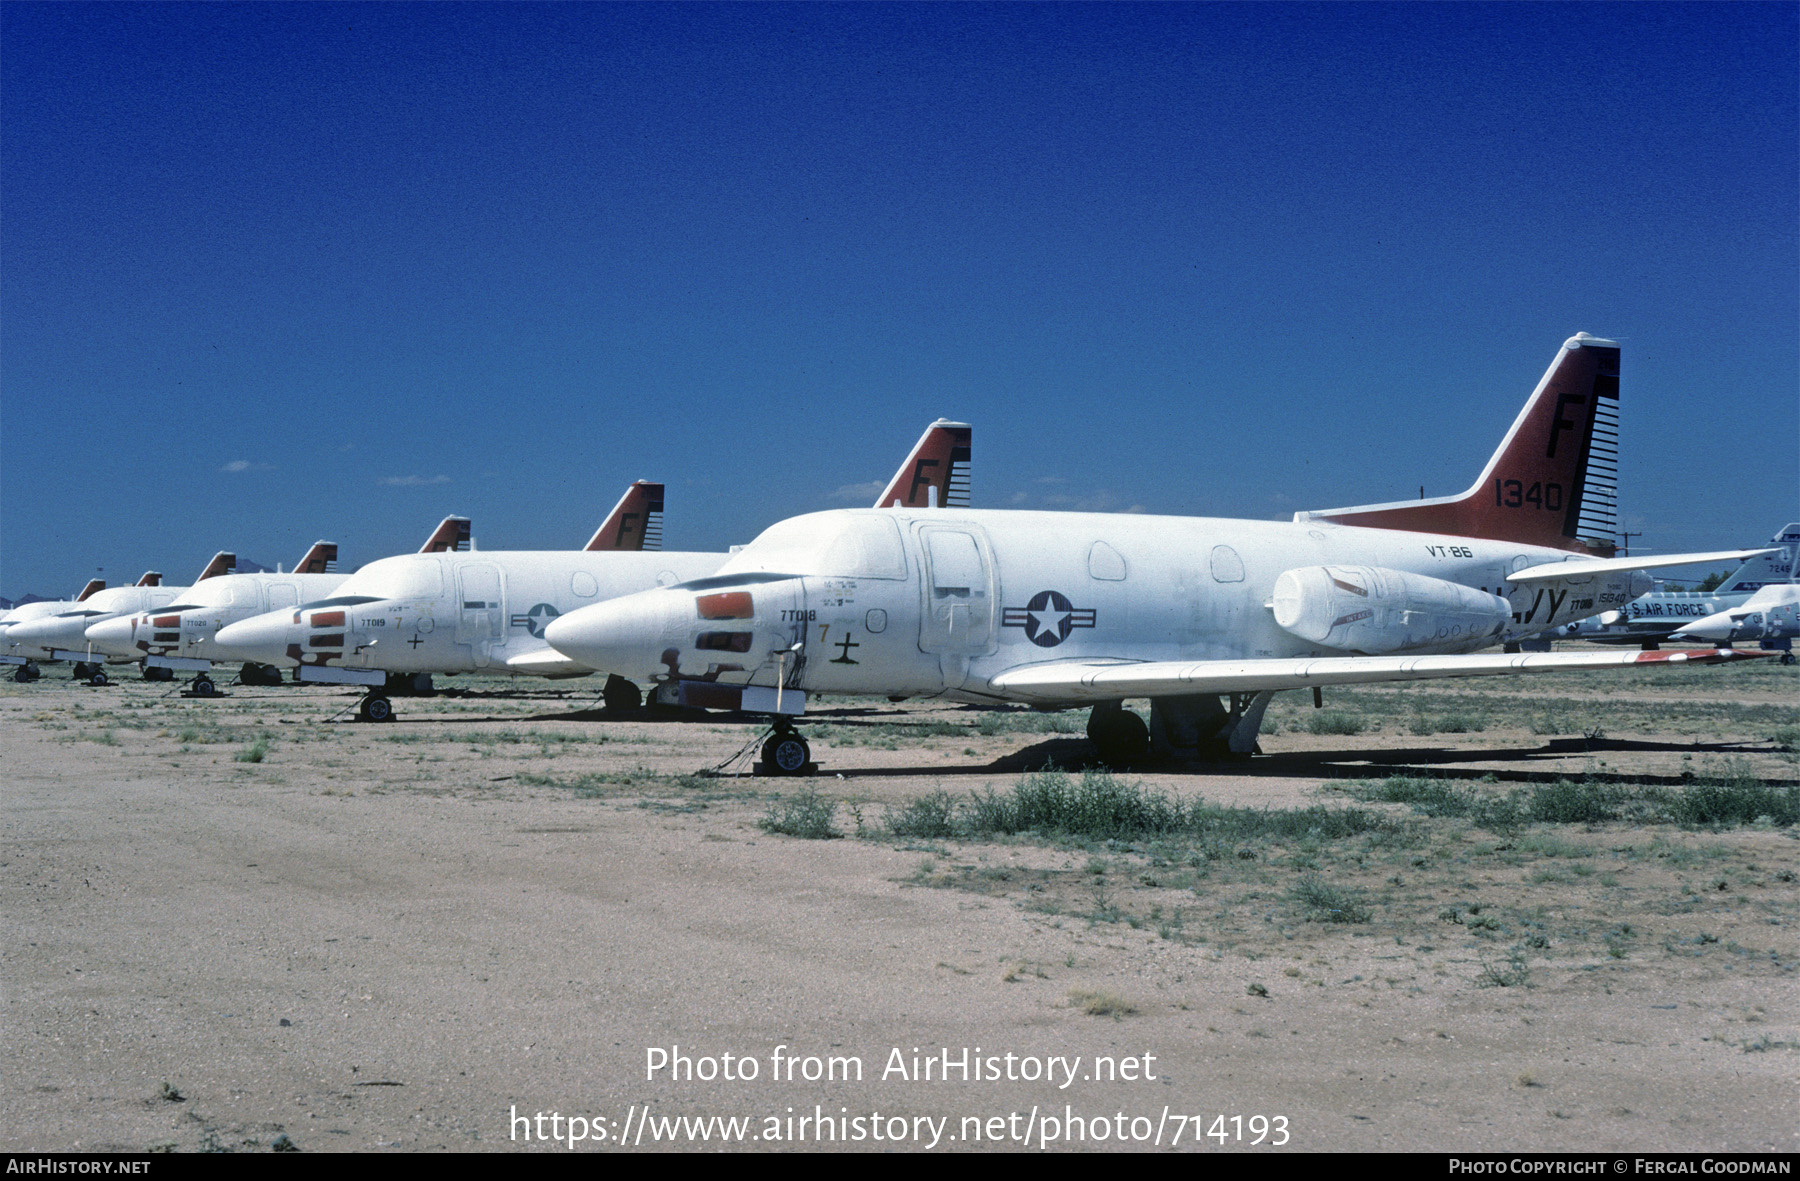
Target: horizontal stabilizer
<point x="1581" y="567"/>
<point x="1074" y="681"/>
<point x="635" y="522"/>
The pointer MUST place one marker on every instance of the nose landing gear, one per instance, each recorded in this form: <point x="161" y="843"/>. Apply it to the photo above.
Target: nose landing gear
<point x="786" y="753"/>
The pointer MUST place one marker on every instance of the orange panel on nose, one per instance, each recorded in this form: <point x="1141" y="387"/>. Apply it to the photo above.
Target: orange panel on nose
<point x="726" y="605"/>
<point x="328" y="619"/>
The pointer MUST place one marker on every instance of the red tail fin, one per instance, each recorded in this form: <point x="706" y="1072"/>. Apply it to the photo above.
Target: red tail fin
<point x="936" y="474"/>
<point x="99" y="584"/>
<point x="635" y="522"/>
<point x="150" y="578"/>
<point x="451" y="536"/>
<point x="320" y="559"/>
<point x="222" y="563"/>
<point x="1554" y="480"/>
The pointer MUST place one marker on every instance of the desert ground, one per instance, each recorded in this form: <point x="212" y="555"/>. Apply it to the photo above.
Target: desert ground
<point x="1555" y="913"/>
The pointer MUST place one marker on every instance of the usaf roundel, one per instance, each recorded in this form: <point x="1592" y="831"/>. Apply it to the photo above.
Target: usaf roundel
<point x="536" y="620"/>
<point x="1048" y="619"/>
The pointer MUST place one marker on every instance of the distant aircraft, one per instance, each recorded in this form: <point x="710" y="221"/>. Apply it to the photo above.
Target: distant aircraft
<point x="177" y="637"/>
<point x="64" y="634"/>
<point x="1769" y="616"/>
<point x="1060" y="609"/>
<point x="1655" y="617"/>
<point x="25" y="658"/>
<point x="399" y="621"/>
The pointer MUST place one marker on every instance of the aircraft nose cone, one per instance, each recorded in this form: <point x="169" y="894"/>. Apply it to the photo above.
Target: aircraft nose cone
<point x="46" y="633"/>
<point x="263" y="639"/>
<point x="113" y="636"/>
<point x="1713" y="627"/>
<point x="623" y="636"/>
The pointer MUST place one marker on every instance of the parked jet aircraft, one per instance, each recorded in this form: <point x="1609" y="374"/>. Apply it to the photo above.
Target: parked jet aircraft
<point x="25" y="659"/>
<point x="64" y="635"/>
<point x="177" y="637"/>
<point x="1769" y="616"/>
<point x="1655" y="617"/>
<point x="1058" y="609"/>
<point x="396" y="622"/>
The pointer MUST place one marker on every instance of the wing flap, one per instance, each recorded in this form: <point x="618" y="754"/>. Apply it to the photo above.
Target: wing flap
<point x="1111" y="680"/>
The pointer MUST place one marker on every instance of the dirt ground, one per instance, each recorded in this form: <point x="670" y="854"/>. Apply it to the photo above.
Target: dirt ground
<point x="240" y="921"/>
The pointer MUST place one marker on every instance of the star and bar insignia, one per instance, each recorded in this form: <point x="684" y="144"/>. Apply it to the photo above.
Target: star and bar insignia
<point x="1048" y="619"/>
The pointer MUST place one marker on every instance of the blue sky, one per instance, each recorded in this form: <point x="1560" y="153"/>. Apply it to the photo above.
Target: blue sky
<point x="271" y="273"/>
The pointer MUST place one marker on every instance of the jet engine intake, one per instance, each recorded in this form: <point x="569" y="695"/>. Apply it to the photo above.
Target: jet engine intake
<point x="1375" y="610"/>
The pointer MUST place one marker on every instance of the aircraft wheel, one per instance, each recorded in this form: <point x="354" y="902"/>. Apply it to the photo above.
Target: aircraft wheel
<point x="620" y="694"/>
<point x="158" y="673"/>
<point x="204" y="687"/>
<point x="786" y="754"/>
<point x="375" y="708"/>
<point x="1119" y="736"/>
<point x="82" y="670"/>
<point x="98" y="679"/>
<point x="27" y="673"/>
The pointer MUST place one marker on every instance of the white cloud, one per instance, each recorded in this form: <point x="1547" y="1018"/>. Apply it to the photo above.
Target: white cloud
<point x="244" y="465"/>
<point x="859" y="494"/>
<point x="413" y="481"/>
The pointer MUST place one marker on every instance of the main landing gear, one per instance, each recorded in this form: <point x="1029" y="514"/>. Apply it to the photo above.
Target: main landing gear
<point x="786" y="753"/>
<point x="156" y="672"/>
<point x="27" y="672"/>
<point x="91" y="672"/>
<point x="260" y="675"/>
<point x="1118" y="734"/>
<point x="620" y="695"/>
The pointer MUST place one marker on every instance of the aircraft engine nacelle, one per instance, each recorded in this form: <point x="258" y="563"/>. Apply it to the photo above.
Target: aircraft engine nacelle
<point x="1378" y="611"/>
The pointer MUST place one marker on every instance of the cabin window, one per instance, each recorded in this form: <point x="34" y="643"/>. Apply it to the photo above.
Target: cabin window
<point x="1106" y="563"/>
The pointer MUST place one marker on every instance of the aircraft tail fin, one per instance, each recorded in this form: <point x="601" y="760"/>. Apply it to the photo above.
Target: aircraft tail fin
<point x="222" y="563"/>
<point x="94" y="586"/>
<point x="150" y="578"/>
<point x="635" y="522"/>
<point x="451" y="536"/>
<point x="936" y="474"/>
<point x="1554" y="480"/>
<point x="320" y="559"/>
<point x="1768" y="569"/>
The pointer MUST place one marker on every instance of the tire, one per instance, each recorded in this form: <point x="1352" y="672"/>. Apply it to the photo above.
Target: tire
<point x="98" y="679"/>
<point x="621" y="695"/>
<point x="26" y="673"/>
<point x="1120" y="737"/>
<point x="158" y="673"/>
<point x="375" y="708"/>
<point x="204" y="687"/>
<point x="82" y="670"/>
<point x="786" y="754"/>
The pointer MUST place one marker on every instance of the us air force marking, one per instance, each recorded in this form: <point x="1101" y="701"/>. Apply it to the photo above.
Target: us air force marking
<point x="536" y="620"/>
<point x="1048" y="619"/>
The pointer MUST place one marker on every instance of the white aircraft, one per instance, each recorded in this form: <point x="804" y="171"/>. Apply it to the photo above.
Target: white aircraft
<point x="1769" y="616"/>
<point x="1657" y="616"/>
<point x="177" y="637"/>
<point x="396" y="622"/>
<point x="25" y="659"/>
<point x="1058" y="609"/>
<point x="64" y="635"/>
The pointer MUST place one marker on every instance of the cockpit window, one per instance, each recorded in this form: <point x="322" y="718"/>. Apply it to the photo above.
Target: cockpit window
<point x="839" y="544"/>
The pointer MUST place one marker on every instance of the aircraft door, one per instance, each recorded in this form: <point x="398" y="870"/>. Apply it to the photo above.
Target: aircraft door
<point x="957" y="620"/>
<point x="479" y="619"/>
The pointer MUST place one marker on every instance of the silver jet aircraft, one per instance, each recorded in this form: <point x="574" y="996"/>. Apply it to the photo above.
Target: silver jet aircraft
<point x="1771" y="616"/>
<point x="1653" y="618"/>
<point x="398" y="621"/>
<point x="1059" y="609"/>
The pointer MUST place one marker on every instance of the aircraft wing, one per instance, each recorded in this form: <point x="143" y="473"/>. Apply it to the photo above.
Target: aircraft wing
<point x="547" y="662"/>
<point x="1578" y="567"/>
<point x="1097" y="680"/>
